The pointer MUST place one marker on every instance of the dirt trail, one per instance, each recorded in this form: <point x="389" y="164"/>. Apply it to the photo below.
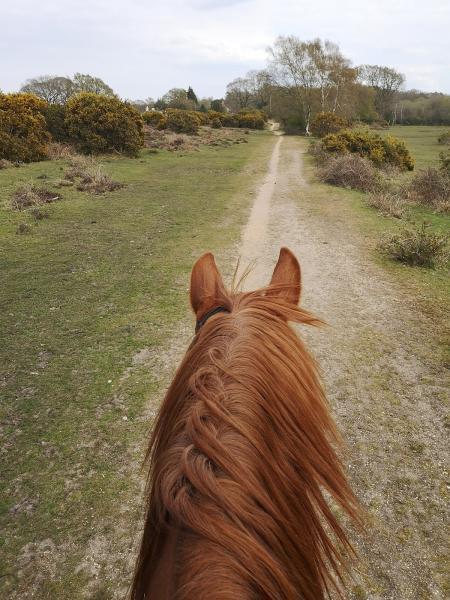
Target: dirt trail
<point x="383" y="382"/>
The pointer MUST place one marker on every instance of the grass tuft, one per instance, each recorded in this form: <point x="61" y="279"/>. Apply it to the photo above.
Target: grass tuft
<point x="28" y="195"/>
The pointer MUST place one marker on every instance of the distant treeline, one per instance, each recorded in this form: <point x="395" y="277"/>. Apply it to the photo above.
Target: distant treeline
<point x="304" y="78"/>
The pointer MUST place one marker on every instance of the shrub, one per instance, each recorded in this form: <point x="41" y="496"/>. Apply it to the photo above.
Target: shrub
<point x="55" y="115"/>
<point x="182" y="121"/>
<point x="444" y="162"/>
<point x="387" y="204"/>
<point x="216" y="124"/>
<point x="5" y="164"/>
<point x="444" y="138"/>
<point x="23" y="132"/>
<point x="250" y="120"/>
<point x="349" y="171"/>
<point x="58" y="150"/>
<point x="430" y="186"/>
<point x="325" y="123"/>
<point x="103" y="124"/>
<point x="415" y="246"/>
<point x="380" y="150"/>
<point x="23" y="229"/>
<point x="90" y="175"/>
<point x="28" y="196"/>
<point x="153" y="117"/>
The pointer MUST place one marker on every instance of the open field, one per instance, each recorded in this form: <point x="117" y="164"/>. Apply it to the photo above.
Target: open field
<point x="421" y="141"/>
<point x="87" y="298"/>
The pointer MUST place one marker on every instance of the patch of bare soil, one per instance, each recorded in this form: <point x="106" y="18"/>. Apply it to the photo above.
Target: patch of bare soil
<point x="385" y="384"/>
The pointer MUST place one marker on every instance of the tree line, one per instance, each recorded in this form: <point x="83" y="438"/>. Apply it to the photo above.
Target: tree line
<point x="304" y="78"/>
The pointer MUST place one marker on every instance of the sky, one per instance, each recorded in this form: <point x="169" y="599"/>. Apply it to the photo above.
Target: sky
<point x="142" y="48"/>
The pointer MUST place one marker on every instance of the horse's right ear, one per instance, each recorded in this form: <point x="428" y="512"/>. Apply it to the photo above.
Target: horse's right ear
<point x="287" y="277"/>
<point x="206" y="284"/>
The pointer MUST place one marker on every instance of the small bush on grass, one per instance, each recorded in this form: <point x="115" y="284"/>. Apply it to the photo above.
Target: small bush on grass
<point x="89" y="176"/>
<point x="23" y="229"/>
<point x="216" y="124"/>
<point x="97" y="124"/>
<point x="416" y="246"/>
<point x="5" y="164"/>
<point x="23" y="130"/>
<point x="388" y="204"/>
<point x="350" y="171"/>
<point x="38" y="214"/>
<point x="444" y="138"/>
<point x="28" y="196"/>
<point x="379" y="150"/>
<point x="58" y="150"/>
<point x="327" y="122"/>
<point x="430" y="187"/>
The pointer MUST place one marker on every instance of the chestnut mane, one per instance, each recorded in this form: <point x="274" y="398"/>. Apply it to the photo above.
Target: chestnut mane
<point x="241" y="455"/>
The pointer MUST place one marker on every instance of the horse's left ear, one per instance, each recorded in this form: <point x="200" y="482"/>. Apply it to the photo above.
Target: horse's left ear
<point x="206" y="284"/>
<point x="286" y="277"/>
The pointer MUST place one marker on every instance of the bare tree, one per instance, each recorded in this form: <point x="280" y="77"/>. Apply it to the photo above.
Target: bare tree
<point x="239" y="94"/>
<point x="294" y="67"/>
<point x="52" y="89"/>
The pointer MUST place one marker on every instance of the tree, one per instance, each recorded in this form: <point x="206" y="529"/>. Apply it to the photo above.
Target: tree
<point x="52" y="89"/>
<point x="191" y="95"/>
<point x="217" y="105"/>
<point x="386" y="82"/>
<point x="178" y="98"/>
<point x="314" y="72"/>
<point x="239" y="93"/>
<point x="294" y="66"/>
<point x="93" y="85"/>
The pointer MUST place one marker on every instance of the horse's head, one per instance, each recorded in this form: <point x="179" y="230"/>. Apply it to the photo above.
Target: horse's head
<point x="209" y="296"/>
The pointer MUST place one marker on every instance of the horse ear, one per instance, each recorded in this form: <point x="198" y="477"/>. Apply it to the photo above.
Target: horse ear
<point x="286" y="277"/>
<point x="206" y="284"/>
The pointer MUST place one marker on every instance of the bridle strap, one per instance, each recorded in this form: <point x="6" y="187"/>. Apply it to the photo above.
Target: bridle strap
<point x="210" y="313"/>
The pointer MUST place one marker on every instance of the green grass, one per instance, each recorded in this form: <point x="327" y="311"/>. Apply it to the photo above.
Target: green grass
<point x="101" y="279"/>
<point x="421" y="141"/>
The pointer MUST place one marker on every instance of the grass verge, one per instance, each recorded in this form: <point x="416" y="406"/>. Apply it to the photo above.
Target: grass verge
<point x="90" y="287"/>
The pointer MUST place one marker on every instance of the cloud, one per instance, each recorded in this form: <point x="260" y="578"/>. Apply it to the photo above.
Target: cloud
<point x="144" y="48"/>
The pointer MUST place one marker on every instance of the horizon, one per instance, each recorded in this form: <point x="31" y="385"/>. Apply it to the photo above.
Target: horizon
<point x="208" y="44"/>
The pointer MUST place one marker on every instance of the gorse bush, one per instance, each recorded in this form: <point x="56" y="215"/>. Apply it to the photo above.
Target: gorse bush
<point x="350" y="171"/>
<point x="381" y="151"/>
<point x="325" y="123"/>
<point x="181" y="121"/>
<point x="55" y="115"/>
<point x="415" y="246"/>
<point x="153" y="117"/>
<point x="23" y="130"/>
<point x="98" y="124"/>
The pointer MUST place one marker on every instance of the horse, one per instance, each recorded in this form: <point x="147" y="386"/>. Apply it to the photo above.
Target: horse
<point x="244" y="457"/>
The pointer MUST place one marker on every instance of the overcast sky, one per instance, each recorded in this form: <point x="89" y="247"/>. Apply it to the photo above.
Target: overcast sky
<point x="143" y="47"/>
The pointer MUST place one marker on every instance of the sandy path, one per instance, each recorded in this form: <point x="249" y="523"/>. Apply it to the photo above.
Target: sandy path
<point x="383" y="383"/>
